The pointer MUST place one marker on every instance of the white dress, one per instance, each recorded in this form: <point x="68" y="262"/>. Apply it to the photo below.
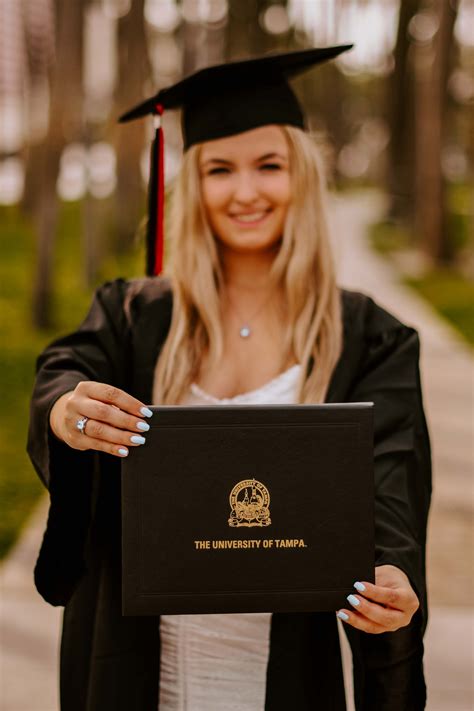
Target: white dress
<point x="219" y="662"/>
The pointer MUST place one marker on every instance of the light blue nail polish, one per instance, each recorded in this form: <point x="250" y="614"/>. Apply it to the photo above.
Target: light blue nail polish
<point x="342" y="616"/>
<point x="353" y="600"/>
<point x="146" y="412"/>
<point x="123" y="452"/>
<point x="137" y="439"/>
<point x="359" y="586"/>
<point x="143" y="426"/>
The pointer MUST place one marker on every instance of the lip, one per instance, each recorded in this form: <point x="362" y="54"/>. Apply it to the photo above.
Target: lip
<point x="251" y="223"/>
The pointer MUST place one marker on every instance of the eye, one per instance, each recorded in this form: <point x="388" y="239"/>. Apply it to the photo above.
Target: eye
<point x="270" y="166"/>
<point x="217" y="171"/>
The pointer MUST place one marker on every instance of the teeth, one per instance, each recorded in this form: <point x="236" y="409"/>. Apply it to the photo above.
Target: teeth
<point x="250" y="218"/>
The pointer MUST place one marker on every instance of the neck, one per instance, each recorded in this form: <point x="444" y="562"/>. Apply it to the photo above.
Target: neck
<point x="250" y="298"/>
<point x="247" y="272"/>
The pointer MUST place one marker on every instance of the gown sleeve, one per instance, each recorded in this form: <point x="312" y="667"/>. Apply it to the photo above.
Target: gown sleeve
<point x="402" y="465"/>
<point x="390" y="664"/>
<point x="95" y="351"/>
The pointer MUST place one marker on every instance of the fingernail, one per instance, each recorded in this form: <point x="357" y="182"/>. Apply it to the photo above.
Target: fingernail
<point x="137" y="439"/>
<point x="123" y="452"/>
<point x="146" y="412"/>
<point x="359" y="586"/>
<point x="353" y="600"/>
<point x="144" y="426"/>
<point x="342" y="616"/>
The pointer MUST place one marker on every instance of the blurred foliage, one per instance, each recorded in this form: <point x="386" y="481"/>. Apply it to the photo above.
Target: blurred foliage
<point x="390" y="236"/>
<point x="452" y="295"/>
<point x="19" y="486"/>
<point x="459" y="216"/>
<point x="449" y="289"/>
<point x="394" y="235"/>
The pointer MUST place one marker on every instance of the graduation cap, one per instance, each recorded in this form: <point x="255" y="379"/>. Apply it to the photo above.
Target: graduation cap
<point x="219" y="101"/>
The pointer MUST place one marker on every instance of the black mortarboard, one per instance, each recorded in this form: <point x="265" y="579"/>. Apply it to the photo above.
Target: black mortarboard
<point x="220" y="101"/>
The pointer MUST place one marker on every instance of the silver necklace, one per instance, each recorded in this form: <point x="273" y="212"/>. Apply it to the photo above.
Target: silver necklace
<point x="245" y="330"/>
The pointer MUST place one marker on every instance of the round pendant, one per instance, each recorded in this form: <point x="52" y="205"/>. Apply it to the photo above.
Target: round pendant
<point x="245" y="332"/>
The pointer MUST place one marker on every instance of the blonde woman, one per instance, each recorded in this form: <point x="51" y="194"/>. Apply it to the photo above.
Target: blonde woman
<point x="250" y="313"/>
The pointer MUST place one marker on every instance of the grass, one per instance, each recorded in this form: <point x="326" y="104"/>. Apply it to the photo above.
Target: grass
<point x="389" y="237"/>
<point x="446" y="288"/>
<point x="452" y="295"/>
<point x="19" y="485"/>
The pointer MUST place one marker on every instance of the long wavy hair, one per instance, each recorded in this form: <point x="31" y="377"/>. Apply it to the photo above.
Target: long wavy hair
<point x="303" y="268"/>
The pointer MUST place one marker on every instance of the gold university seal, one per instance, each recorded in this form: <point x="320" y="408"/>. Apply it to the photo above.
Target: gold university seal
<point x="249" y="504"/>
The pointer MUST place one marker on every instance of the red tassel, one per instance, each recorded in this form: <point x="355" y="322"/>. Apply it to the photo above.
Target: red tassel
<point x="156" y="188"/>
<point x="160" y="197"/>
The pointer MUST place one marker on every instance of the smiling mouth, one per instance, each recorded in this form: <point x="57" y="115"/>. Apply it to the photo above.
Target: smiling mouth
<point x="251" y="218"/>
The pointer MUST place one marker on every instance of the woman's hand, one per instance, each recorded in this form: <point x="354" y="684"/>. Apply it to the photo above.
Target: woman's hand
<point x="383" y="607"/>
<point x="113" y="418"/>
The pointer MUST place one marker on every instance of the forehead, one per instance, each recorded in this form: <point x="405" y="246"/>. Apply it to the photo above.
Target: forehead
<point x="249" y="144"/>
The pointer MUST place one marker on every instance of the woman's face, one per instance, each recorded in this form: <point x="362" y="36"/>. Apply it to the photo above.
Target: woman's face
<point x="245" y="182"/>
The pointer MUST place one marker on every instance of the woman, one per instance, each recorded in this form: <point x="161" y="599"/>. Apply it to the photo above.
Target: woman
<point x="251" y="313"/>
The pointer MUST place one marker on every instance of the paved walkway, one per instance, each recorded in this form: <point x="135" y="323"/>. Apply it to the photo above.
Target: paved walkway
<point x="29" y="628"/>
<point x="448" y="384"/>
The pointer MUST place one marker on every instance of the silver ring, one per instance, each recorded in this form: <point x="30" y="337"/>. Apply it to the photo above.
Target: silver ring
<point x="81" y="424"/>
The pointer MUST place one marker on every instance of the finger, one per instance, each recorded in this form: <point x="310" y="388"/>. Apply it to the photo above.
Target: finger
<point x="400" y="599"/>
<point x="114" y="396"/>
<point x="106" y="433"/>
<point x="83" y="442"/>
<point x="352" y="618"/>
<point x="386" y="617"/>
<point x="395" y="598"/>
<point x="110" y="414"/>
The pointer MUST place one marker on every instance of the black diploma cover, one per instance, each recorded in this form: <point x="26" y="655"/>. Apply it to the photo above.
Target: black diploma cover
<point x="248" y="509"/>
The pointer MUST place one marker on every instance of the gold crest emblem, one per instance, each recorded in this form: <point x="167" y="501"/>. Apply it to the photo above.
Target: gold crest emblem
<point x="249" y="504"/>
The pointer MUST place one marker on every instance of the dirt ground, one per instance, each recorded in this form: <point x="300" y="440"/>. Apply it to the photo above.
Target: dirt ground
<point x="450" y="560"/>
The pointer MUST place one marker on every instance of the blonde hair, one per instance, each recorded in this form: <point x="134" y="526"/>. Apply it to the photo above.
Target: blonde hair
<point x="303" y="268"/>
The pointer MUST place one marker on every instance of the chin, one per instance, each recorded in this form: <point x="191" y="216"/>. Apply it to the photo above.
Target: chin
<point x="249" y="240"/>
<point x="251" y="243"/>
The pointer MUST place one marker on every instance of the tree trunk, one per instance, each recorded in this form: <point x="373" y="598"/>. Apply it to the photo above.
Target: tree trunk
<point x="401" y="120"/>
<point x="245" y="35"/>
<point x="65" y="125"/>
<point x="432" y="70"/>
<point x="133" y="74"/>
<point x="93" y="217"/>
<point x="38" y="20"/>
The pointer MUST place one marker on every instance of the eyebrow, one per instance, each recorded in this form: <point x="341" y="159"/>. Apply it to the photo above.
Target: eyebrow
<point x="222" y="161"/>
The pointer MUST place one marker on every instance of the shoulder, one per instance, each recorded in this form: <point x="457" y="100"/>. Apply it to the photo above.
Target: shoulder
<point x="364" y="317"/>
<point x="135" y="297"/>
<point x="373" y="335"/>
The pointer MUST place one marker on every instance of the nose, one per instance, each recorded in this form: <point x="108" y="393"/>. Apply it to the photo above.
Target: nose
<point x="245" y="188"/>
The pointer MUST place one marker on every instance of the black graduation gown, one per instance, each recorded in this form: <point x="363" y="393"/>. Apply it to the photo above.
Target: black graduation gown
<point x="109" y="661"/>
